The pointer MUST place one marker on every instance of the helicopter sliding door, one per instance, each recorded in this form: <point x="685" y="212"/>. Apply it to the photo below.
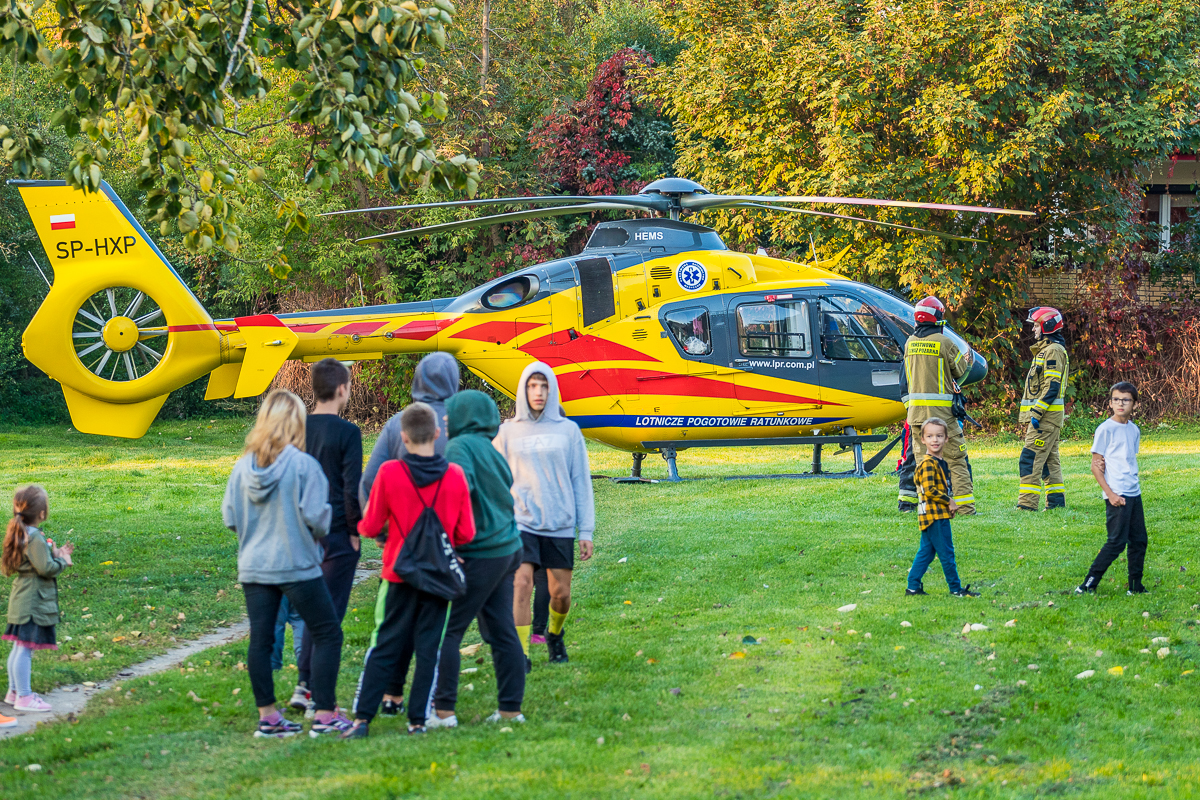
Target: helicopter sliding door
<point x="771" y="339"/>
<point x="860" y="360"/>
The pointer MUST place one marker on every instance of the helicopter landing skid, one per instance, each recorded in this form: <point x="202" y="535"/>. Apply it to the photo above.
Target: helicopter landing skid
<point x="670" y="450"/>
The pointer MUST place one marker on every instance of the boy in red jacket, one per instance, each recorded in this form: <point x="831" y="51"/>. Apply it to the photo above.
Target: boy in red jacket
<point x="404" y="616"/>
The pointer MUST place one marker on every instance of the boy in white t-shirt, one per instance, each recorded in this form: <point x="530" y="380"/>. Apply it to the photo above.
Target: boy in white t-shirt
<point x="1114" y="464"/>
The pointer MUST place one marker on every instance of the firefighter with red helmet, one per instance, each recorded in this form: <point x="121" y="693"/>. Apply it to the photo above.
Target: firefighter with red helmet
<point x="1042" y="409"/>
<point x="933" y="366"/>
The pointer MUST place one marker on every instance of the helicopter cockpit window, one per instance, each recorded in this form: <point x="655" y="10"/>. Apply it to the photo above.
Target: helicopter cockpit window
<point x="511" y="292"/>
<point x="774" y="329"/>
<point x="690" y="328"/>
<point x="851" y="331"/>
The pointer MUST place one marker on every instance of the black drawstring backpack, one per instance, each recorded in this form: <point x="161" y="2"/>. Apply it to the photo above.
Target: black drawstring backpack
<point x="427" y="561"/>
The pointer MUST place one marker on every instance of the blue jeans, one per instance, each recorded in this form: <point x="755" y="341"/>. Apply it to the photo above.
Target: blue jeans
<point x="287" y="615"/>
<point x="935" y="540"/>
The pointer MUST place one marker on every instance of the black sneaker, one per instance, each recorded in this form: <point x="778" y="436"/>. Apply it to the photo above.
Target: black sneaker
<point x="277" y="730"/>
<point x="1135" y="587"/>
<point x="965" y="592"/>
<point x="557" y="648"/>
<point x="391" y="708"/>
<point x="358" y="730"/>
<point x="1089" y="586"/>
<point x="911" y="592"/>
<point x="907" y="508"/>
<point x="1026" y="508"/>
<point x="414" y="730"/>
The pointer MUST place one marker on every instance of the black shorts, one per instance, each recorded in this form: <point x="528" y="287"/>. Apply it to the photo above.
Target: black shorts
<point x="548" y="552"/>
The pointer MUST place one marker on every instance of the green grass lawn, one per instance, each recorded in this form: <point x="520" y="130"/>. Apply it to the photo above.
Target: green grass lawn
<point x="666" y="695"/>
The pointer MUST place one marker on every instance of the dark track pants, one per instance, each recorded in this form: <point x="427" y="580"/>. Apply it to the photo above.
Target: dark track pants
<point x="311" y="599"/>
<point x="404" y="618"/>
<point x="1126" y="527"/>
<point x="339" y="579"/>
<point x="490" y="599"/>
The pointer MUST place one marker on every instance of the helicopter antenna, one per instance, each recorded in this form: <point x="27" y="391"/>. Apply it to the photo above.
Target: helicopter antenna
<point x="39" y="269"/>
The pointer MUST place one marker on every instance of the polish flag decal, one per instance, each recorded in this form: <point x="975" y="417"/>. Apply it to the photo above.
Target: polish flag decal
<point x="61" y="222"/>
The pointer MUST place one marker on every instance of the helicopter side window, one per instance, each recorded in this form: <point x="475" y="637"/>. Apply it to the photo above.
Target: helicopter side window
<point x="774" y="329"/>
<point x="691" y="330"/>
<point x="850" y="331"/>
<point x="511" y="293"/>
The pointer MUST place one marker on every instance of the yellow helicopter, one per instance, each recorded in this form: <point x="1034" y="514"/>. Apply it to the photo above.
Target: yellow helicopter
<point x="662" y="338"/>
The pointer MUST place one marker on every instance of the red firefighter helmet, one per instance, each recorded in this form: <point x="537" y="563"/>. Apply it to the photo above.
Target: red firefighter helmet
<point x="930" y="310"/>
<point x="1050" y="320"/>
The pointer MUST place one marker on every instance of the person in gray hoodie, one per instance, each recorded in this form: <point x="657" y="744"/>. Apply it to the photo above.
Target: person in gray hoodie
<point x="277" y="502"/>
<point x="435" y="380"/>
<point x="552" y="499"/>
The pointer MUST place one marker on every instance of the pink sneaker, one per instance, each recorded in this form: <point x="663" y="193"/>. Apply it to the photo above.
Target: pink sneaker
<point x="537" y="638"/>
<point x="32" y="702"/>
<point x="11" y="697"/>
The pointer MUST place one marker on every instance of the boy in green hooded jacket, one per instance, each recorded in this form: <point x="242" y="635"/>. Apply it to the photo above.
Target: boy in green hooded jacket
<point x="490" y="561"/>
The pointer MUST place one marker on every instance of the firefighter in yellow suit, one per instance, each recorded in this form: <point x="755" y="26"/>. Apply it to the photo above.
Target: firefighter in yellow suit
<point x="1042" y="409"/>
<point x="933" y="366"/>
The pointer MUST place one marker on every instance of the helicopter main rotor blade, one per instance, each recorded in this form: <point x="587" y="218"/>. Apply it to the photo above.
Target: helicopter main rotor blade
<point x="790" y="210"/>
<point x="495" y="219"/>
<point x="707" y="201"/>
<point x="657" y="203"/>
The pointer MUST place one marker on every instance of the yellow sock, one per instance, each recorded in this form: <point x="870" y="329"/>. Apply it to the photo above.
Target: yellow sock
<point x="557" y="621"/>
<point x="523" y="635"/>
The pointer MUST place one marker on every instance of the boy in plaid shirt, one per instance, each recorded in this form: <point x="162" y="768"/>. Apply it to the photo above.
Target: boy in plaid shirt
<point x="934" y="511"/>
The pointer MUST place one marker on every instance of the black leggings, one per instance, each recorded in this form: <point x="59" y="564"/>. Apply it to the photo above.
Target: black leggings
<point x="339" y="579"/>
<point x="311" y="600"/>
<point x="490" y="599"/>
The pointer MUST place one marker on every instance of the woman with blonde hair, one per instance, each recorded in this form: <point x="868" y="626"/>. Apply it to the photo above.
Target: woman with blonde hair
<point x="277" y="501"/>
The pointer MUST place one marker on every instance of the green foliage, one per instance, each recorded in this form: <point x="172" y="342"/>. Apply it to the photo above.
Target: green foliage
<point x="618" y="24"/>
<point x="180" y="77"/>
<point x="1047" y="107"/>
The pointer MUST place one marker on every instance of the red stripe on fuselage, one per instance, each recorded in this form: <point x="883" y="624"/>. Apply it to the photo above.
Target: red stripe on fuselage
<point x="496" y="331"/>
<point x="311" y="327"/>
<point x="422" y="329"/>
<point x="614" y="381"/>
<point x="559" y="349"/>
<point x="202" y="326"/>
<point x="360" y="328"/>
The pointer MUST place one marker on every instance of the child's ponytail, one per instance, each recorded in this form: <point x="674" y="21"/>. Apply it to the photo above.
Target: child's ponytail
<point x="29" y="504"/>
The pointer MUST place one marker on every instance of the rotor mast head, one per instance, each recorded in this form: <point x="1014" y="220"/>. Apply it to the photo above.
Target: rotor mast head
<point x="674" y="189"/>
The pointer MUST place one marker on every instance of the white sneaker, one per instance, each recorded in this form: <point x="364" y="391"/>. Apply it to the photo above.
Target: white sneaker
<point x="437" y="722"/>
<point x="497" y="718"/>
<point x="300" y="698"/>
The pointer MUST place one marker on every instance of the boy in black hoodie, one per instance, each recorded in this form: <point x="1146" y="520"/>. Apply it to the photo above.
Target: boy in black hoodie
<point x="336" y="444"/>
<point x="490" y="562"/>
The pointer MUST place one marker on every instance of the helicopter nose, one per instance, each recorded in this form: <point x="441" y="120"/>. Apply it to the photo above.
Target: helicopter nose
<point x="979" y="371"/>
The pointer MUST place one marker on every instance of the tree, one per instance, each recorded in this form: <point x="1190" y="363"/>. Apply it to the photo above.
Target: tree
<point x="1047" y="106"/>
<point x="186" y="78"/>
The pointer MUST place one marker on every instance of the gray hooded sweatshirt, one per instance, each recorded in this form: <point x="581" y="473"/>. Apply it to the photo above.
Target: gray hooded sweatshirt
<point x="278" y="513"/>
<point x="435" y="380"/>
<point x="552" y="479"/>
